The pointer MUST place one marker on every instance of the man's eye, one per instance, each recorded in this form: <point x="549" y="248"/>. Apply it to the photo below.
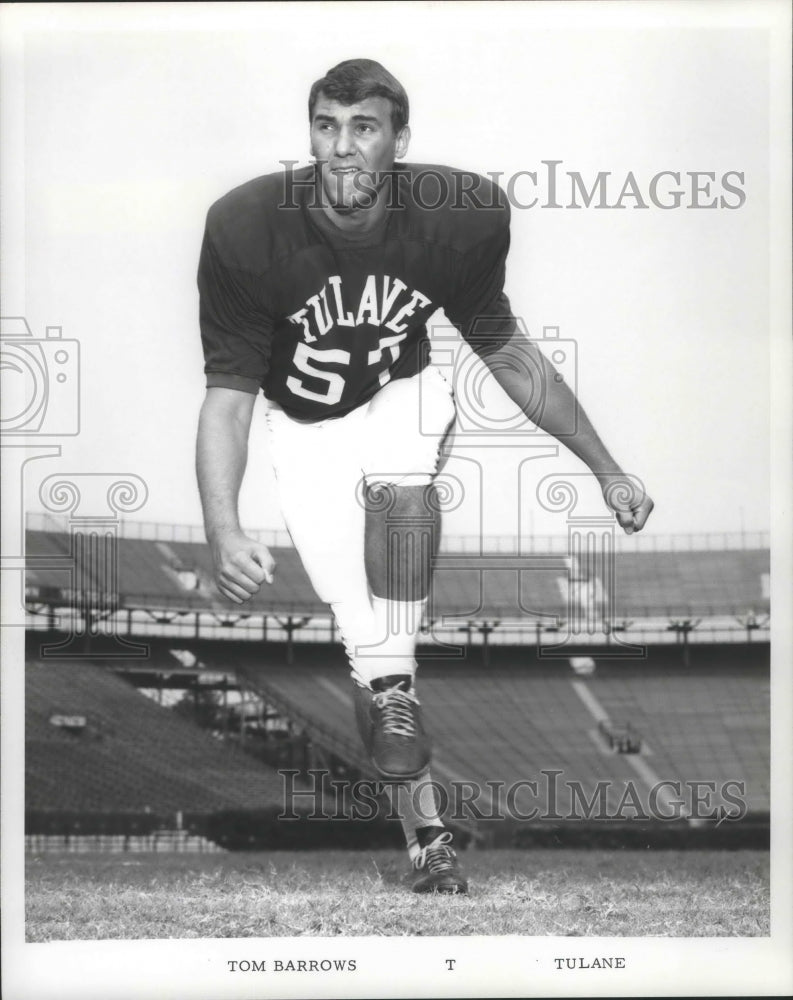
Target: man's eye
<point x="364" y="128"/>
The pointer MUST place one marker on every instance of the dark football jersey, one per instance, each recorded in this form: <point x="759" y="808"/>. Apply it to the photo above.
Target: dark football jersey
<point x="320" y="318"/>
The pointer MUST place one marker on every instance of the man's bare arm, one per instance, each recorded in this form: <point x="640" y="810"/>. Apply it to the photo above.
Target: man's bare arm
<point x="241" y="563"/>
<point x="532" y="382"/>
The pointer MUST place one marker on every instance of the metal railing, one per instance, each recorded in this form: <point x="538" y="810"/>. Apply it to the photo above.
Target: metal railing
<point x="717" y="626"/>
<point x="160" y="841"/>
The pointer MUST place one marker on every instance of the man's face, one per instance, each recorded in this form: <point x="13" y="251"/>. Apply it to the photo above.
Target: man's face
<point x="350" y="140"/>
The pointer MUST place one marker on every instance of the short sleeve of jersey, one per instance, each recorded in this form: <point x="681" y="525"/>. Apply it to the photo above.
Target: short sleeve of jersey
<point x="479" y="308"/>
<point x="236" y="331"/>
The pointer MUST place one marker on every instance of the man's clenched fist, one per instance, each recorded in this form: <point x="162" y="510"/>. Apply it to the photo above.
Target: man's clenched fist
<point x="242" y="565"/>
<point x="626" y="496"/>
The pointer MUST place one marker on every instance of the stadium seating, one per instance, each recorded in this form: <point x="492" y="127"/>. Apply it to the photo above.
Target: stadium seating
<point x="518" y="720"/>
<point x="646" y="583"/>
<point x="692" y="583"/>
<point x="132" y="755"/>
<point x="709" y="723"/>
<point x="520" y="717"/>
<point x="506" y="719"/>
<point x="315" y="694"/>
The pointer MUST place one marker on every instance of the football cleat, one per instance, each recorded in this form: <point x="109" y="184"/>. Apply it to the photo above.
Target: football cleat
<point x="389" y="718"/>
<point x="437" y="868"/>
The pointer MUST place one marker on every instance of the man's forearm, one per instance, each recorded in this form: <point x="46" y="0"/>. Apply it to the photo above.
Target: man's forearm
<point x="533" y="383"/>
<point x="221" y="458"/>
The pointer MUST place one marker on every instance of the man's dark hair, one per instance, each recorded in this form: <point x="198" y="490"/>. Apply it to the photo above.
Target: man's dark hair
<point x="353" y="80"/>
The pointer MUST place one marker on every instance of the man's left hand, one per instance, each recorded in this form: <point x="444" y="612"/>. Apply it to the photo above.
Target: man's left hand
<point x="626" y="496"/>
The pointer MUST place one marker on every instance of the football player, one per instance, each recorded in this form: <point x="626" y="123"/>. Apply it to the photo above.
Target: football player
<point x="316" y="286"/>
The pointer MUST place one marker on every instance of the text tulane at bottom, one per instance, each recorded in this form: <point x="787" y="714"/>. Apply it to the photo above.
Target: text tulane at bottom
<point x="586" y="963"/>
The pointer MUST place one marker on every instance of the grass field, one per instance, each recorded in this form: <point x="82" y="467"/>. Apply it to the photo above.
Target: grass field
<point x="328" y="893"/>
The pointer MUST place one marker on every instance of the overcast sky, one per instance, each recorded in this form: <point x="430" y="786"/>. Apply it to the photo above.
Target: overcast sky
<point x="132" y="132"/>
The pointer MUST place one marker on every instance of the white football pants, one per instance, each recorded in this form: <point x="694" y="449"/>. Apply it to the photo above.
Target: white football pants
<point x="321" y="469"/>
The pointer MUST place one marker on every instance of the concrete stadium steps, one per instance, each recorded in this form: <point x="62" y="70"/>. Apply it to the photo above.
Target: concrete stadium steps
<point x="487" y="584"/>
<point x="133" y="754"/>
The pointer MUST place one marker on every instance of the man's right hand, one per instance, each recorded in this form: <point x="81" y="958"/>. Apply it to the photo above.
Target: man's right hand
<point x="241" y="565"/>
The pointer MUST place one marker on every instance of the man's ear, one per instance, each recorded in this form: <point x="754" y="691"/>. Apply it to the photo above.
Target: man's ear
<point x="403" y="139"/>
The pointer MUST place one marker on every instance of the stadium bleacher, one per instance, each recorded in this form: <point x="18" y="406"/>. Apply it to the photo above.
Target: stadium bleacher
<point x="500" y="715"/>
<point x="709" y="723"/>
<point x="169" y="575"/>
<point x="520" y="717"/>
<point x="178" y="574"/>
<point x="132" y="754"/>
<point x="693" y="583"/>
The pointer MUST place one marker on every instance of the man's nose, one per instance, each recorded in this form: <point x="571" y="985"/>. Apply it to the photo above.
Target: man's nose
<point x="345" y="142"/>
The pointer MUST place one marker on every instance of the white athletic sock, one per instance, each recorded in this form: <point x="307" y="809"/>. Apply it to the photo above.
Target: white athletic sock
<point x="396" y="625"/>
<point x="379" y="637"/>
<point x="416" y="804"/>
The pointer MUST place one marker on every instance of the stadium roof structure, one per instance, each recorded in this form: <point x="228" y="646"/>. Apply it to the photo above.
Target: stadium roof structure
<point x="476" y="579"/>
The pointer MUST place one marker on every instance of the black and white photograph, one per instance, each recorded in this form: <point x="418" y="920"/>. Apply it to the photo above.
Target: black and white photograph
<point x="396" y="480"/>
